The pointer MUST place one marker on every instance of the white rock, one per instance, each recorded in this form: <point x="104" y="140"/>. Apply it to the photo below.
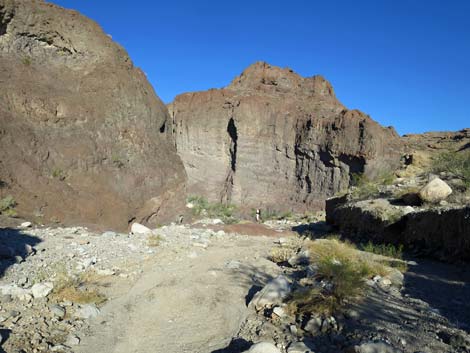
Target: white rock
<point x="72" y="340"/>
<point x="25" y="225"/>
<point x="189" y="205"/>
<point x="105" y="272"/>
<point x="139" y="229"/>
<point x="298" y="347"/>
<point x="407" y="210"/>
<point x="263" y="347"/>
<point x="434" y="191"/>
<point x="273" y="293"/>
<point x="278" y="311"/>
<point x="42" y="290"/>
<point x="88" y="311"/>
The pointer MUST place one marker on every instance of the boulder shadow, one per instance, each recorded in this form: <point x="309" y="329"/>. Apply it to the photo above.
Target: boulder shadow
<point x="15" y="245"/>
<point x="313" y="230"/>
<point x="445" y="287"/>
<point x="237" y="345"/>
<point x="4" y="334"/>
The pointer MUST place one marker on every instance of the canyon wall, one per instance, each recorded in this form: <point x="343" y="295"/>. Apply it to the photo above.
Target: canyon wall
<point x="83" y="136"/>
<point x="273" y="139"/>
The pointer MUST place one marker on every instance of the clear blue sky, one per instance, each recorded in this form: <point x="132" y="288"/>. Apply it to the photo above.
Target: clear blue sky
<point x="406" y="63"/>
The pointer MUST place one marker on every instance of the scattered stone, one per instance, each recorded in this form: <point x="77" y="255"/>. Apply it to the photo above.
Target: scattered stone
<point x="434" y="191"/>
<point x="139" y="229"/>
<point x="263" y="347"/>
<point x="58" y="311"/>
<point x="302" y="258"/>
<point x="279" y="312"/>
<point x="373" y="347"/>
<point x="72" y="340"/>
<point x="314" y="325"/>
<point x="190" y="205"/>
<point x="41" y="290"/>
<point x="273" y="293"/>
<point x="87" y="311"/>
<point x="25" y="225"/>
<point x="298" y="347"/>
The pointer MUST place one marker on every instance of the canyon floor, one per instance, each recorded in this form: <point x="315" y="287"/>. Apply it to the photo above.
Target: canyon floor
<point x="186" y="288"/>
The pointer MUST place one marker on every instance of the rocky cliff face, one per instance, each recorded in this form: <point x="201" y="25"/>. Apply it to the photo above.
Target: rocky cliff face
<point x="83" y="137"/>
<point x="275" y="139"/>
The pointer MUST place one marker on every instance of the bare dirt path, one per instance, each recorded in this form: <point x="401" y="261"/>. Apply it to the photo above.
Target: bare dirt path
<point x="187" y="300"/>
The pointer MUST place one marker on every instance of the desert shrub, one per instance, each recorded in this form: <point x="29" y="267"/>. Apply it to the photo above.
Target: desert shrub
<point x="202" y="207"/>
<point x="154" y="240"/>
<point x="281" y="254"/>
<point x="26" y="61"/>
<point x="58" y="173"/>
<point x="344" y="269"/>
<point x="80" y="289"/>
<point x="117" y="161"/>
<point x="7" y="205"/>
<point x="388" y="250"/>
<point x="271" y="214"/>
<point x="457" y="163"/>
<point x="364" y="187"/>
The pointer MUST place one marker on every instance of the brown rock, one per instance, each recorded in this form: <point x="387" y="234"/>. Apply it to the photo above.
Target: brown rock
<point x="275" y="139"/>
<point x="83" y="137"/>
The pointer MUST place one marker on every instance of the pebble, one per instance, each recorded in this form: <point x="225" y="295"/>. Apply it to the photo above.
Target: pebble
<point x="72" y="340"/>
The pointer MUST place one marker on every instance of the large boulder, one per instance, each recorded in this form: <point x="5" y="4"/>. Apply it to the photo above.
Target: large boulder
<point x="83" y="137"/>
<point x="434" y="191"/>
<point x="275" y="139"/>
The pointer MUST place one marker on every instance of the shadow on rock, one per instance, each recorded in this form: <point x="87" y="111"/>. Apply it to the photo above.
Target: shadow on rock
<point x="15" y="246"/>
<point x="4" y="335"/>
<point x="237" y="345"/>
<point x="445" y="287"/>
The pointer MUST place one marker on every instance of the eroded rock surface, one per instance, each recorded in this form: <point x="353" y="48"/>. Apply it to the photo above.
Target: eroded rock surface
<point x="275" y="139"/>
<point x="83" y="137"/>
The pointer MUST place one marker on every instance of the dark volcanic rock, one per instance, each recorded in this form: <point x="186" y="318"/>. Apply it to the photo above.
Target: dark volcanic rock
<point x="83" y="136"/>
<point x="275" y="139"/>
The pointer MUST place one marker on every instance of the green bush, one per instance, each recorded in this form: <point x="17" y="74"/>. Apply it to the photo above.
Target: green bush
<point x="202" y="207"/>
<point x="388" y="250"/>
<point x="457" y="163"/>
<point x="7" y="204"/>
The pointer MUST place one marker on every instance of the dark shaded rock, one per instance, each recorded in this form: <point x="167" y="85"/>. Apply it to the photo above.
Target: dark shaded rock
<point x="83" y="136"/>
<point x="443" y="233"/>
<point x="273" y="139"/>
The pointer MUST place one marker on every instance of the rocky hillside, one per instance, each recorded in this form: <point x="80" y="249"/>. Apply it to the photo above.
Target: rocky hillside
<point x="273" y="139"/>
<point x="83" y="137"/>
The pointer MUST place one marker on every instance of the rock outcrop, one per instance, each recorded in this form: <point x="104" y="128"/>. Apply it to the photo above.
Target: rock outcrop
<point x="274" y="139"/>
<point x="83" y="137"/>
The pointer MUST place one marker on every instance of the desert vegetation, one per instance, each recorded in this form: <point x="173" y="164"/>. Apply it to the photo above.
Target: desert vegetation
<point x="7" y="206"/>
<point x="202" y="207"/>
<point x="456" y="163"/>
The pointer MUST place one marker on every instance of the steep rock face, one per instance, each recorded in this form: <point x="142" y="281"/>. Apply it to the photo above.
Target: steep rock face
<point x="275" y="139"/>
<point x="83" y="136"/>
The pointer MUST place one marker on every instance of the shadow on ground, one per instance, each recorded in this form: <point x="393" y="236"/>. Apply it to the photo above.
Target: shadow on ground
<point x="313" y="230"/>
<point x="14" y="243"/>
<point x="4" y="334"/>
<point x="445" y="287"/>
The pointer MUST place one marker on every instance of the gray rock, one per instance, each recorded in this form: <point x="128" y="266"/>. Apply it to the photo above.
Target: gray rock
<point x="302" y="258"/>
<point x="314" y="325"/>
<point x="42" y="290"/>
<point x="273" y="293"/>
<point x="263" y="347"/>
<point x="87" y="311"/>
<point x="72" y="340"/>
<point x="58" y="311"/>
